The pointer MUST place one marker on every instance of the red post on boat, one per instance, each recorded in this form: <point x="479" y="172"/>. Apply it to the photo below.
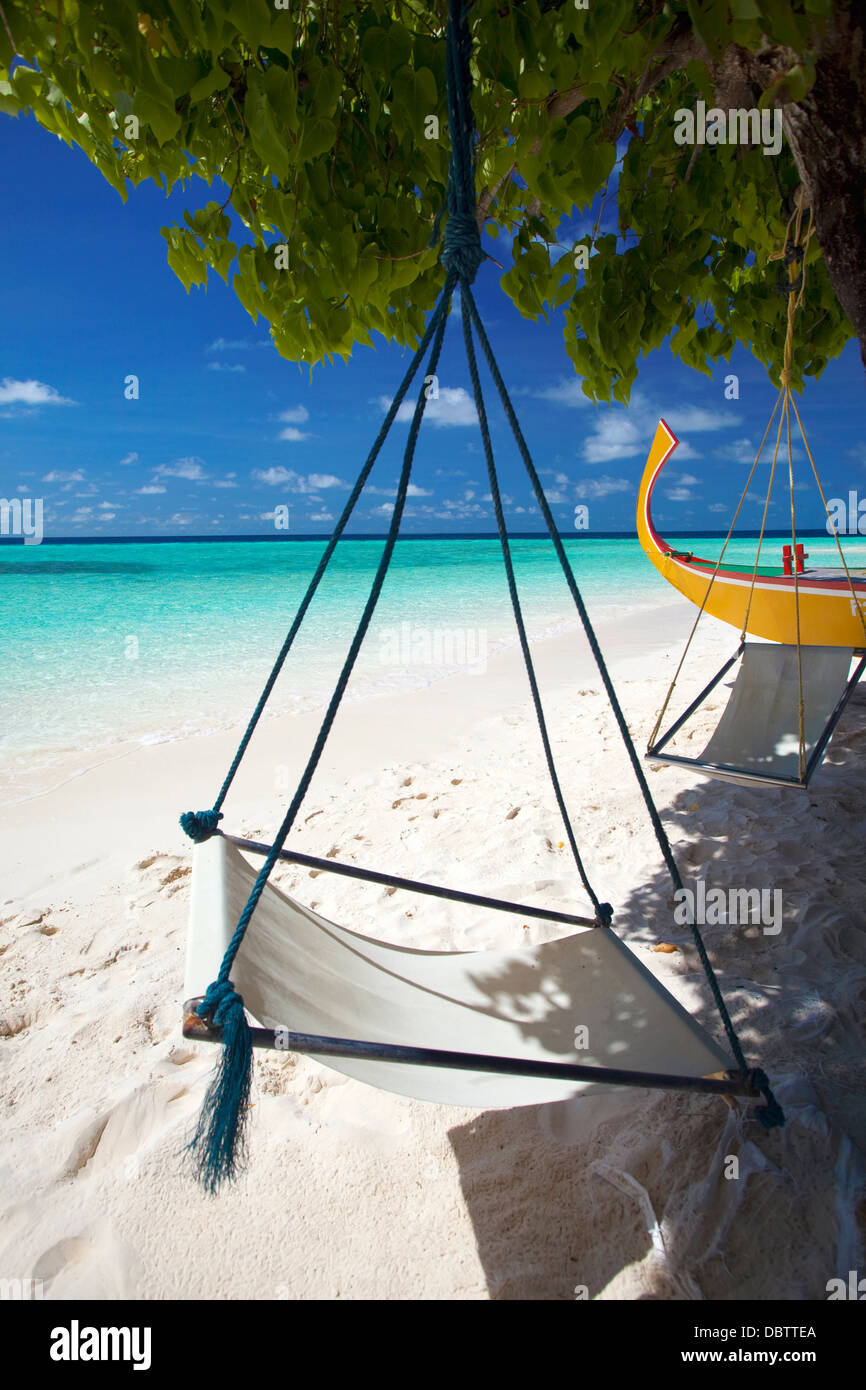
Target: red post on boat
<point x="800" y="555"/>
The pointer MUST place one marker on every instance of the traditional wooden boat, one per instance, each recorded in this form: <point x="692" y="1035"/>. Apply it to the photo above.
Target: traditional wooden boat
<point x="829" y="614"/>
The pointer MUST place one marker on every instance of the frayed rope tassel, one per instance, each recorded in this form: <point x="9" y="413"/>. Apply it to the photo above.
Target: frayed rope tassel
<point x="218" y="1148"/>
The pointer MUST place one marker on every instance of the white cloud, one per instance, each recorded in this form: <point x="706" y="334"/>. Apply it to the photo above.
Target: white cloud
<point x="595" y="488"/>
<point x="108" y="506"/>
<point x="295" y="416"/>
<point x="224" y="482"/>
<point x="58" y="476"/>
<point x="413" y="490"/>
<point x="295" y="436"/>
<point x="189" y="468"/>
<point x="129" y="458"/>
<point x="621" y="433"/>
<point x="615" y="437"/>
<point x="297" y="482"/>
<point x="321" y="516"/>
<point x="718" y="507"/>
<point x="29" y="393"/>
<point x="742" y="451"/>
<point x="226" y="367"/>
<point x="679" y="494"/>
<point x="454" y="406"/>
<point x="236" y="344"/>
<point x="567" y="391"/>
<point x="694" y="419"/>
<point x="150" y="490"/>
<point x="108" y="516"/>
<point x="274" y="477"/>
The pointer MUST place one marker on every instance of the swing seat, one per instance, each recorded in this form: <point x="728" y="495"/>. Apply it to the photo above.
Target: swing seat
<point x="299" y="971"/>
<point x="757" y="739"/>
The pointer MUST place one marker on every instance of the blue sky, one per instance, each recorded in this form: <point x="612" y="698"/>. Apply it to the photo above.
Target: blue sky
<point x="224" y="429"/>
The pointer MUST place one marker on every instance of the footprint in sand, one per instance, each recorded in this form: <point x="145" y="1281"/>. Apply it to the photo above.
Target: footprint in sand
<point x="93" y="1264"/>
<point x="128" y="1131"/>
<point x="168" y="874"/>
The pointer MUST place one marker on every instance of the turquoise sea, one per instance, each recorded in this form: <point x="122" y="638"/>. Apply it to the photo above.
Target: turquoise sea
<point x="103" y="643"/>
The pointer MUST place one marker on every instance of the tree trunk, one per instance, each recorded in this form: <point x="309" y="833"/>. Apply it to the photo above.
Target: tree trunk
<point x="826" y="132"/>
<point x="827" y="135"/>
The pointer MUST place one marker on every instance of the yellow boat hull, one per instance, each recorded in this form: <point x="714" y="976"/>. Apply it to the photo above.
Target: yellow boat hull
<point x="830" y="615"/>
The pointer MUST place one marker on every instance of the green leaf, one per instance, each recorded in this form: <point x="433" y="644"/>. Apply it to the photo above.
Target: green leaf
<point x="791" y="86"/>
<point x="252" y="19"/>
<point x="710" y="19"/>
<point x="8" y="101"/>
<point x="426" y="101"/>
<point x="385" y="49"/>
<point x="783" y="25"/>
<point x="262" y="124"/>
<point x="162" y="121"/>
<point x="214" y="81"/>
<point x="317" y="138"/>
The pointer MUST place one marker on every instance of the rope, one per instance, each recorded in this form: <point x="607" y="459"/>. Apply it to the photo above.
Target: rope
<point x="794" y="254"/>
<point x="780" y="397"/>
<point x="658" y="827"/>
<point x="218" y="1145"/>
<point x="461" y="250"/>
<point x="712" y="580"/>
<point x="800" y="709"/>
<point x="798" y="283"/>
<point x="199" y="825"/>
<point x="604" y="911"/>
<point x="858" y="608"/>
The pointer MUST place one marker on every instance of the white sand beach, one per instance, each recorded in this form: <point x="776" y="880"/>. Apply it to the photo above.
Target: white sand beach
<point x="354" y="1193"/>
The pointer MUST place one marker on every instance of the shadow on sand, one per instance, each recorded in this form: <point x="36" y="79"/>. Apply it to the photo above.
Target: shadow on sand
<point x="564" y="1197"/>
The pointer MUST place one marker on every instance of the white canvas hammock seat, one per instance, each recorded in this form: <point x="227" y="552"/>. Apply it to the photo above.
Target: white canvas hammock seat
<point x="787" y="697"/>
<point x="486" y="1028"/>
<point x="779" y="718"/>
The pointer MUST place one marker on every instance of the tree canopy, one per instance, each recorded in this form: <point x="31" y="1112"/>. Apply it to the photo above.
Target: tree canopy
<point x="320" y="118"/>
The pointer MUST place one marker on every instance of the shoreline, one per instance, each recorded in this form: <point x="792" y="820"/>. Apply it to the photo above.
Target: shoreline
<point x="406" y="725"/>
<point x="448" y="783"/>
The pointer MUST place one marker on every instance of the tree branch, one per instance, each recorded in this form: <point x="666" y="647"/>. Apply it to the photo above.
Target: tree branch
<point x="488" y="196"/>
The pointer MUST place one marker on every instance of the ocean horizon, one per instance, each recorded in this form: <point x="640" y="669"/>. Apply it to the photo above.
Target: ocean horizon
<point x="151" y="640"/>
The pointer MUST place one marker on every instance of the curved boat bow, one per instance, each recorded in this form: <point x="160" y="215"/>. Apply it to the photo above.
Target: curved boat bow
<point x="828" y="610"/>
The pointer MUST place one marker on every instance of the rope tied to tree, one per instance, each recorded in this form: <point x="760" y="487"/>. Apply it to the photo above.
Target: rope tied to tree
<point x="461" y="247"/>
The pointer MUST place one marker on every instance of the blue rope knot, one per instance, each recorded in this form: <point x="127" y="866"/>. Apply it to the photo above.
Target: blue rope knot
<point x="220" y="1002"/>
<point x="604" y="914"/>
<point x="200" y="825"/>
<point x="461" y="248"/>
<point x="771" y="1115"/>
